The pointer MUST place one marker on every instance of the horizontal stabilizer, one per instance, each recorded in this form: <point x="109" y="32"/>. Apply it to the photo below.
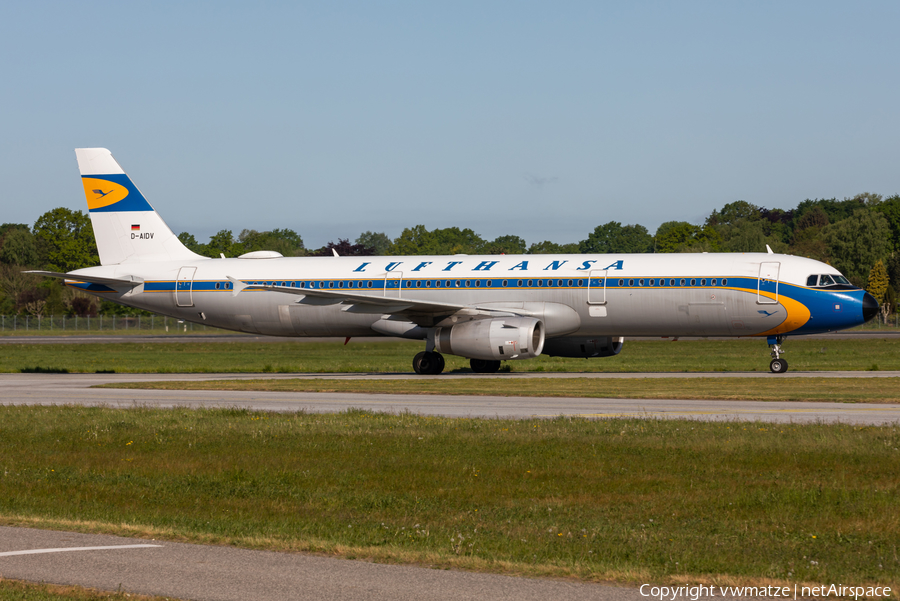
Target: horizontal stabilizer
<point x="131" y="281"/>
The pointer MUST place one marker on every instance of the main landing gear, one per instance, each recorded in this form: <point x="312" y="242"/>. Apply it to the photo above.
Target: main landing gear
<point x="778" y="365"/>
<point x="428" y="363"/>
<point x="483" y="366"/>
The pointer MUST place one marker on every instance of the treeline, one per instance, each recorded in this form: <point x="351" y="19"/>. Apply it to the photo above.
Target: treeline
<point x="860" y="236"/>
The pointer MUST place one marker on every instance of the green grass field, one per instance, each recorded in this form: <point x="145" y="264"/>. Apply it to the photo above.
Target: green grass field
<point x="626" y="500"/>
<point x="366" y="356"/>
<point x="14" y="590"/>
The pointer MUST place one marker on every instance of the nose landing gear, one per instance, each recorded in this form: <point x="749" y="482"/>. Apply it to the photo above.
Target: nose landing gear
<point x="778" y="365"/>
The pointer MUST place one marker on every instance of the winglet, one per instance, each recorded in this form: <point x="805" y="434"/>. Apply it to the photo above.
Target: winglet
<point x="238" y="285"/>
<point x="335" y="253"/>
<point x="769" y="249"/>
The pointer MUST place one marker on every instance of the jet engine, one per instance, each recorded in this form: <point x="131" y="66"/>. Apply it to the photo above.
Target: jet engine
<point x="494" y="339"/>
<point x="600" y="346"/>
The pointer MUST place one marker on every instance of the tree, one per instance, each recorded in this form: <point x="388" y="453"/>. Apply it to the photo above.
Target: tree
<point x="447" y="241"/>
<point x="375" y="240"/>
<point x="284" y="241"/>
<point x="733" y="212"/>
<point x="65" y="240"/>
<point x="893" y="269"/>
<point x="877" y="284"/>
<point x="17" y="247"/>
<point x="412" y="241"/>
<point x="344" y="249"/>
<point x="681" y="236"/>
<point x="455" y="241"/>
<point x="856" y="243"/>
<point x="191" y="243"/>
<point x="506" y="245"/>
<point x="552" y="248"/>
<point x="613" y="237"/>
<point x="223" y="242"/>
<point x="17" y="286"/>
<point x="890" y="208"/>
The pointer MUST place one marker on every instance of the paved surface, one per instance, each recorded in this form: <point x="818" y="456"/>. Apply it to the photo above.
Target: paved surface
<point x="213" y="573"/>
<point x="57" y="389"/>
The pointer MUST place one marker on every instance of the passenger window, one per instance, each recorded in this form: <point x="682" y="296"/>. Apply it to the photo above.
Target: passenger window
<point x="713" y="281"/>
<point x="631" y="282"/>
<point x="703" y="282"/>
<point x="640" y="282"/>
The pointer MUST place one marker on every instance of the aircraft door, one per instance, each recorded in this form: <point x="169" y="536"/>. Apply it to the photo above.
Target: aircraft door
<point x="393" y="283"/>
<point x="596" y="294"/>
<point x="184" y="287"/>
<point x="768" y="282"/>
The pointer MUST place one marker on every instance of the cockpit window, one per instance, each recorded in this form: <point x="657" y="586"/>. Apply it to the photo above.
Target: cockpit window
<point x="825" y="279"/>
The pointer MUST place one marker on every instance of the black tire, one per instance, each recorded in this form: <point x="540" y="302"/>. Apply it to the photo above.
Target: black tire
<point x="418" y="365"/>
<point x="483" y="366"/>
<point x="429" y="364"/>
<point x="778" y="366"/>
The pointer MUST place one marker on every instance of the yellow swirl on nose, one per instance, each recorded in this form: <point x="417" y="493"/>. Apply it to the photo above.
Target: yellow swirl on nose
<point x="102" y="193"/>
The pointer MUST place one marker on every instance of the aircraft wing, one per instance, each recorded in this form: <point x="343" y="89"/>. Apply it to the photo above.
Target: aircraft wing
<point x="130" y="281"/>
<point x="419" y="311"/>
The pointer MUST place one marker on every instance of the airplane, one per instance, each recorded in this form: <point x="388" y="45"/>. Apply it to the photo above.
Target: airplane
<point x="487" y="308"/>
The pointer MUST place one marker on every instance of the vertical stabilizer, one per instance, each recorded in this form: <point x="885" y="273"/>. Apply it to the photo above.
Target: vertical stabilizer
<point x="126" y="227"/>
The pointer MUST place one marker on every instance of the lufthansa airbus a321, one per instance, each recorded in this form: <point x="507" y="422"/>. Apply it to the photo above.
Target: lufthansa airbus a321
<point x="487" y="308"/>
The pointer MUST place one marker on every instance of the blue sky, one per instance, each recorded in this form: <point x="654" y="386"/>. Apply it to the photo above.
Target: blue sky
<point x="536" y="119"/>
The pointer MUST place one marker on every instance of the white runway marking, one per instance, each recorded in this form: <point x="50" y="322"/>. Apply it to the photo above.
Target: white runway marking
<point x="65" y="549"/>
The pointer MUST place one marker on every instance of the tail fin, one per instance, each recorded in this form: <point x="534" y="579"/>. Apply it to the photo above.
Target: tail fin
<point x="126" y="227"/>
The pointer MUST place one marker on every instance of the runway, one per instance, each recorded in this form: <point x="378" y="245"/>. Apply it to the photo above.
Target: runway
<point x="60" y="389"/>
<point x="215" y="573"/>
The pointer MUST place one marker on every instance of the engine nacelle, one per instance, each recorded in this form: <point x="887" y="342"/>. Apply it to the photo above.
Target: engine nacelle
<point x="600" y="346"/>
<point x="500" y="338"/>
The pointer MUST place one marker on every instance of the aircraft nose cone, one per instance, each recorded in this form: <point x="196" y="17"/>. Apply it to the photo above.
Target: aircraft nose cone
<point x="869" y="307"/>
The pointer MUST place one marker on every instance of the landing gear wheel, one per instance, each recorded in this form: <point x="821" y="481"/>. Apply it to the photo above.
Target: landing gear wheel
<point x="427" y="363"/>
<point x="778" y="366"/>
<point x="483" y="366"/>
